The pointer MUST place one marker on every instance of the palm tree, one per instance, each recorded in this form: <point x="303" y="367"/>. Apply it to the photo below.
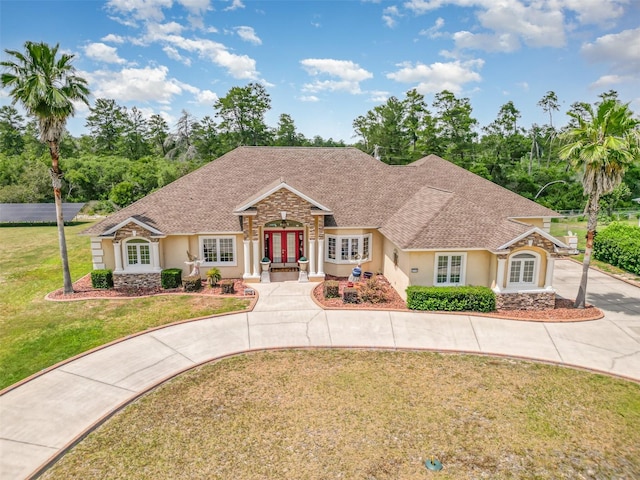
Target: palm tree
<point x="600" y="147"/>
<point x="46" y="87"/>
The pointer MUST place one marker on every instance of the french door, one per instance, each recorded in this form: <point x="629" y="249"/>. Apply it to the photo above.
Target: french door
<point x="283" y="246"/>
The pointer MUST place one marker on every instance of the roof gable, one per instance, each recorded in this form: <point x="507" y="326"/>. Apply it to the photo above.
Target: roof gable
<point x="534" y="231"/>
<point x="271" y="189"/>
<point x="129" y="220"/>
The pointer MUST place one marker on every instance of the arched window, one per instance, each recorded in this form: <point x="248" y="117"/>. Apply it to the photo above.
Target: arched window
<point x="523" y="269"/>
<point x="137" y="253"/>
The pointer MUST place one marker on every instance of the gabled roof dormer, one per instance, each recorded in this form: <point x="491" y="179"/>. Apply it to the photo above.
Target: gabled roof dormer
<point x="248" y="206"/>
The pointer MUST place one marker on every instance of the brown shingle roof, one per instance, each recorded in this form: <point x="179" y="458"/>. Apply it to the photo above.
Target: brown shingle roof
<point x="431" y="203"/>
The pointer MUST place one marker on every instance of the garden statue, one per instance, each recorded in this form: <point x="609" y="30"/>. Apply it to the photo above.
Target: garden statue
<point x="194" y="263"/>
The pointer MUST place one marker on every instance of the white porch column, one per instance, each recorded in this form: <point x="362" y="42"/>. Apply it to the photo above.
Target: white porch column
<point x="548" y="281"/>
<point x="312" y="260"/>
<point x="502" y="262"/>
<point x="256" y="258"/>
<point x="321" y="256"/>
<point x="246" y="251"/>
<point x="155" y="256"/>
<point x="117" y="254"/>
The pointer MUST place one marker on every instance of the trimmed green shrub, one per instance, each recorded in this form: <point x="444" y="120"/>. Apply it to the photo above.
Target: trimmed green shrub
<point x="331" y="289"/>
<point x="171" y="278"/>
<point x="619" y="245"/>
<point x="102" y="279"/>
<point x="192" y="283"/>
<point x="451" y="299"/>
<point x="227" y="286"/>
<point x="350" y="295"/>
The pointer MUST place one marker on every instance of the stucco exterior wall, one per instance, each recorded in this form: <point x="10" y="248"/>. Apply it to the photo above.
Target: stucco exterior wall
<point x="375" y="248"/>
<point x="478" y="267"/>
<point x="396" y="274"/>
<point x="542" y="265"/>
<point x="173" y="252"/>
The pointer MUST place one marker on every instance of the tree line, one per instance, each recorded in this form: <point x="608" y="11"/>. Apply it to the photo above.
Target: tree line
<point x="600" y="145"/>
<point x="124" y="156"/>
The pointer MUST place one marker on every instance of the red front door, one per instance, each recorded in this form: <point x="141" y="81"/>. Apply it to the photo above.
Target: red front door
<point x="283" y="246"/>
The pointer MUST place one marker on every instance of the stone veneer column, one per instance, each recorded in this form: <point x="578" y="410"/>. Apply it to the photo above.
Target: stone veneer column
<point x="117" y="253"/>
<point x="246" y="249"/>
<point x="548" y="281"/>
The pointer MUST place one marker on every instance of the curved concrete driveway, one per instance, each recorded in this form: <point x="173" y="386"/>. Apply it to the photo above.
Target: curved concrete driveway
<point x="43" y="416"/>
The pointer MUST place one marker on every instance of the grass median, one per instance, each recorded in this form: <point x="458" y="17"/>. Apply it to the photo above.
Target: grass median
<point x="369" y="415"/>
<point x="36" y="333"/>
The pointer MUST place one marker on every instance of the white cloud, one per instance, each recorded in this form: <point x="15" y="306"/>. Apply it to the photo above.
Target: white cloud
<point x="344" y="69"/>
<point x="596" y="11"/>
<point x="434" y="31"/>
<point x="103" y="53"/>
<point x="378" y="96"/>
<point x="439" y="76"/>
<point x="423" y="6"/>
<point x="504" y="42"/>
<point x="349" y="75"/>
<point x="248" y="34"/>
<point x="309" y="98"/>
<point x="390" y="16"/>
<point x="238" y="66"/>
<point x="174" y="54"/>
<point x="196" y="6"/>
<point x="148" y="84"/>
<point x="536" y="24"/>
<point x="606" y="81"/>
<point x="113" y="38"/>
<point x="140" y="9"/>
<point x="157" y="31"/>
<point x="235" y="4"/>
<point x="206" y="97"/>
<point x="523" y="85"/>
<point x="621" y="50"/>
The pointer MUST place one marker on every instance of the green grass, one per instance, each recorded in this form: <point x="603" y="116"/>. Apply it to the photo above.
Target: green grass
<point x="36" y="333"/>
<point x="578" y="227"/>
<point x="369" y="415"/>
<point x="562" y="226"/>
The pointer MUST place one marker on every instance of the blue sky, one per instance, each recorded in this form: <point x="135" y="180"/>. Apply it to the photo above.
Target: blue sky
<point x="327" y="62"/>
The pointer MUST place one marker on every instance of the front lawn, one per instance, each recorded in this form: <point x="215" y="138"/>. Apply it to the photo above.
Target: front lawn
<point x="369" y="415"/>
<point x="36" y="333"/>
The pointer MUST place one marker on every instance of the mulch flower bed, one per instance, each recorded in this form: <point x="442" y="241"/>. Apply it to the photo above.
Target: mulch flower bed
<point x="563" y="311"/>
<point x="82" y="290"/>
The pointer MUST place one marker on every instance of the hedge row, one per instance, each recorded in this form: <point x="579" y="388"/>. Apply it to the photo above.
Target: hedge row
<point x="451" y="299"/>
<point x="619" y="245"/>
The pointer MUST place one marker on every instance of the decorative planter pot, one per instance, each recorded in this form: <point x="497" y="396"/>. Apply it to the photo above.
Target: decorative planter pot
<point x="303" y="264"/>
<point x="265" y="266"/>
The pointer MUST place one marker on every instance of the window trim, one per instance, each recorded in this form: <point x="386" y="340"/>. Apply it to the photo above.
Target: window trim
<point x="217" y="238"/>
<point x="536" y="269"/>
<point x="136" y="267"/>
<point x="463" y="269"/>
<point x="338" y="248"/>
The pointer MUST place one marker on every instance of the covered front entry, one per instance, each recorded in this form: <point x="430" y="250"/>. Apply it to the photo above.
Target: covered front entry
<point x="284" y="247"/>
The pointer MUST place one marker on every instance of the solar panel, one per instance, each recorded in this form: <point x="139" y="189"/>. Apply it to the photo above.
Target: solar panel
<point x="36" y="212"/>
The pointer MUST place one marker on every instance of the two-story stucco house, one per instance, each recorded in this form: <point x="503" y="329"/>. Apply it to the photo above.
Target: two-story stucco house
<point x="427" y="223"/>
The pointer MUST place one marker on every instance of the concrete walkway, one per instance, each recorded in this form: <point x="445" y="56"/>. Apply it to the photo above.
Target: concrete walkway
<point x="42" y="417"/>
